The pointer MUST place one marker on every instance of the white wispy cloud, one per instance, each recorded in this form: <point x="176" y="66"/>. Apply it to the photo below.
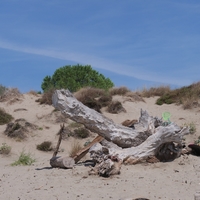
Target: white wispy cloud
<point x="97" y="62"/>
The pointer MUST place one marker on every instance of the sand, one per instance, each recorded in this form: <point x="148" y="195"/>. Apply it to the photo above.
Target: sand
<point x="175" y="180"/>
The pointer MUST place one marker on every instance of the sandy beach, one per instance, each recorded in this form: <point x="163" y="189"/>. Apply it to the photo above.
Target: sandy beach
<point x="176" y="180"/>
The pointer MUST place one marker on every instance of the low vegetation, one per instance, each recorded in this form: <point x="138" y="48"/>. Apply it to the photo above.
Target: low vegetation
<point x="119" y="91"/>
<point x="115" y="107"/>
<point x="198" y="141"/>
<point x="19" y="129"/>
<point x="5" y="117"/>
<point x="11" y="95"/>
<point x="2" y="90"/>
<point x="154" y="91"/>
<point x="46" y="97"/>
<point x="5" y="149"/>
<point x="76" y="77"/>
<point x="45" y="146"/>
<point x="34" y="93"/>
<point x="74" y="125"/>
<point x="24" y="159"/>
<point x="81" y="133"/>
<point x="191" y="126"/>
<point x="93" y="98"/>
<point x="75" y="148"/>
<point x="187" y="96"/>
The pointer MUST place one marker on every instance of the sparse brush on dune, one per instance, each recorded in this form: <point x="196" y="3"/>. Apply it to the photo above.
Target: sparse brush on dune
<point x="90" y="97"/>
<point x="46" y="97"/>
<point x="45" y="146"/>
<point x="119" y="91"/>
<point x="33" y="92"/>
<point x="188" y="96"/>
<point x="11" y="95"/>
<point x="5" y="149"/>
<point x="115" y="107"/>
<point x="81" y="133"/>
<point x="24" y="159"/>
<point x="2" y="90"/>
<point x="135" y="96"/>
<point x="5" y="117"/>
<point x="89" y="91"/>
<point x="75" y="148"/>
<point x="154" y="91"/>
<point x="192" y="127"/>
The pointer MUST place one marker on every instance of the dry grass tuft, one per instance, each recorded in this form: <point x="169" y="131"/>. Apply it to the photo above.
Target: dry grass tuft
<point x="2" y="90"/>
<point x="81" y="133"/>
<point x="119" y="91"/>
<point x="34" y="93"/>
<point x="88" y="91"/>
<point x="188" y="96"/>
<point x="189" y="103"/>
<point x="134" y="96"/>
<point x="5" y="149"/>
<point x="105" y="100"/>
<point x="90" y="97"/>
<point x="45" y="146"/>
<point x="115" y="107"/>
<point x="11" y="95"/>
<point x="46" y="97"/>
<point x="154" y="91"/>
<point x="19" y="129"/>
<point x="75" y="148"/>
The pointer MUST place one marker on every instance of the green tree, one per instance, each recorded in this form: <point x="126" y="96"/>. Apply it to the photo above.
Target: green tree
<point x="76" y="77"/>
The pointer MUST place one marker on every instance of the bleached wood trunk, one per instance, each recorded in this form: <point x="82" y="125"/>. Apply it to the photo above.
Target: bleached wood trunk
<point x="62" y="162"/>
<point x="123" y="136"/>
<point x="139" y="143"/>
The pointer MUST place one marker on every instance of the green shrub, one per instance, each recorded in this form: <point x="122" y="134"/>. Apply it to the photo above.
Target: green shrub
<point x="166" y="99"/>
<point x="5" y="149"/>
<point x="45" y="146"/>
<point x="24" y="159"/>
<point x="192" y="127"/>
<point x="4" y="117"/>
<point x="76" y="77"/>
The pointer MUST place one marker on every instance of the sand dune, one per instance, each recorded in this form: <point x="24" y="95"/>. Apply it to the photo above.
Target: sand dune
<point x="175" y="180"/>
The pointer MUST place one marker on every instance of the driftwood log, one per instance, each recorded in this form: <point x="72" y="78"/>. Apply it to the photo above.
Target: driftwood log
<point x="61" y="162"/>
<point x="148" y="138"/>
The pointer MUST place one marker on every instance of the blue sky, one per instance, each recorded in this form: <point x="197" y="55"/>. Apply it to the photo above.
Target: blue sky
<point x="135" y="43"/>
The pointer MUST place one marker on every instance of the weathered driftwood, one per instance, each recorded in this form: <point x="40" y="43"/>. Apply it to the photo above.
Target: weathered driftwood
<point x="80" y="154"/>
<point x="148" y="138"/>
<point x="96" y="122"/>
<point x="61" y="162"/>
<point x="60" y="133"/>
